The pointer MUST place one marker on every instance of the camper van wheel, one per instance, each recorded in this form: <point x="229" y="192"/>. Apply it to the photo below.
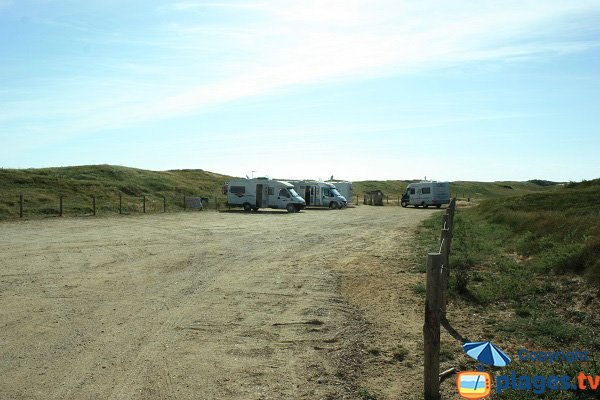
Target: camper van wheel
<point x="247" y="207"/>
<point x="290" y="208"/>
<point x="254" y="208"/>
<point x="333" y="205"/>
<point x="404" y="204"/>
<point x="438" y="205"/>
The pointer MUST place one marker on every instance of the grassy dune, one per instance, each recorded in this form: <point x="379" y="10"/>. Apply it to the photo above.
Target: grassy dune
<point x="41" y="188"/>
<point x="476" y="191"/>
<point x="526" y="269"/>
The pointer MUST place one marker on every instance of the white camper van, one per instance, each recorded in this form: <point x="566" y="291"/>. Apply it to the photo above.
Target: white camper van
<point x="252" y="194"/>
<point x="320" y="194"/>
<point x="345" y="189"/>
<point x="426" y="194"/>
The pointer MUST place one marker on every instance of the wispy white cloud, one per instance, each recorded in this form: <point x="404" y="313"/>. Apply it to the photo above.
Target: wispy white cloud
<point x="194" y="5"/>
<point x="5" y="4"/>
<point x="311" y="42"/>
<point x="279" y="45"/>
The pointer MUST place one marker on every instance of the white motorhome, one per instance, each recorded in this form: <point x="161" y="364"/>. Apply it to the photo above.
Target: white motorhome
<point x="426" y="194"/>
<point x="252" y="194"/>
<point x="320" y="194"/>
<point x="345" y="189"/>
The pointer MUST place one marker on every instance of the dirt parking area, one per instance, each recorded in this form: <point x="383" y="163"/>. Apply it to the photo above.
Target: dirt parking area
<point x="210" y="305"/>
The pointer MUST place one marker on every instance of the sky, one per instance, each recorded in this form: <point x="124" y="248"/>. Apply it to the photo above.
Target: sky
<point x="448" y="90"/>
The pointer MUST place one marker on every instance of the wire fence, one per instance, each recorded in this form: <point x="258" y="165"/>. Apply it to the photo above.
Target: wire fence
<point x="46" y="203"/>
<point x="394" y="199"/>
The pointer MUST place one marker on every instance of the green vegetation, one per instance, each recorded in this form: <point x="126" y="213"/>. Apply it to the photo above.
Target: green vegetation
<point x="389" y="188"/>
<point x="41" y="188"/>
<point x="366" y="394"/>
<point x="528" y="268"/>
<point x="476" y="191"/>
<point x="374" y="351"/>
<point x="559" y="230"/>
<point x="399" y="353"/>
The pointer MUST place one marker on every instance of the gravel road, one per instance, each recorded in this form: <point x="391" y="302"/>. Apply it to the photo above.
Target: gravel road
<point x="200" y="305"/>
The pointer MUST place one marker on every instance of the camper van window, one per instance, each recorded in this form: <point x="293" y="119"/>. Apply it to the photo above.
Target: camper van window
<point x="426" y="190"/>
<point x="270" y="191"/>
<point x="237" y="189"/>
<point x="326" y="192"/>
<point x="412" y="191"/>
<point x="284" y="192"/>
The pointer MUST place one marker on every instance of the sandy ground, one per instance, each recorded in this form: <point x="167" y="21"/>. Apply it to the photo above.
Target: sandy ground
<point x="210" y="305"/>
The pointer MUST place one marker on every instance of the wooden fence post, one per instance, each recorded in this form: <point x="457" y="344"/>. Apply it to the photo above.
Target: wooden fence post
<point x="21" y="205"/>
<point x="445" y="222"/>
<point x="216" y="203"/>
<point x="60" y="208"/>
<point x="120" y="203"/>
<point x="356" y="199"/>
<point x="431" y="328"/>
<point x="451" y="211"/>
<point x="144" y="204"/>
<point x="94" y="204"/>
<point x="184" y="204"/>
<point x="445" y="252"/>
<point x="164" y="204"/>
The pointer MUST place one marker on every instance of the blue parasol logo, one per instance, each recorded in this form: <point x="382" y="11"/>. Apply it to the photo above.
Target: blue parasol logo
<point x="487" y="353"/>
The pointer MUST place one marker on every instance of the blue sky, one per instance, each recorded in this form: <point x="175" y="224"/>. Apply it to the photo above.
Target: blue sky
<point x="451" y="90"/>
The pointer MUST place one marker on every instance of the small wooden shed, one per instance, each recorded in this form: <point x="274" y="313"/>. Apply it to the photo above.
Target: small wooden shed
<point x="374" y="198"/>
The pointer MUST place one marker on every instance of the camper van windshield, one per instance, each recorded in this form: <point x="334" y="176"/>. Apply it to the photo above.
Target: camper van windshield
<point x="335" y="192"/>
<point x="293" y="192"/>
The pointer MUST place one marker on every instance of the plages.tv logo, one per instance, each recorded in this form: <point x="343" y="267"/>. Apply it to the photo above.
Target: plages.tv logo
<point x="478" y="384"/>
<point x="474" y="384"/>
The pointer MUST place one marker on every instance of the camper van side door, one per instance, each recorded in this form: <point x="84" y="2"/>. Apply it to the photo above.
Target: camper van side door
<point x="314" y="196"/>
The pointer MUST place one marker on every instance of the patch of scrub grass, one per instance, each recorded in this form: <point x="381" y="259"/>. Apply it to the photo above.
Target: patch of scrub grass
<point x="374" y="351"/>
<point x="399" y="353"/>
<point x="366" y="394"/>
<point x="447" y="352"/>
<point x="426" y="240"/>
<point x="419" y="289"/>
<point x="508" y="284"/>
<point x="547" y="331"/>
